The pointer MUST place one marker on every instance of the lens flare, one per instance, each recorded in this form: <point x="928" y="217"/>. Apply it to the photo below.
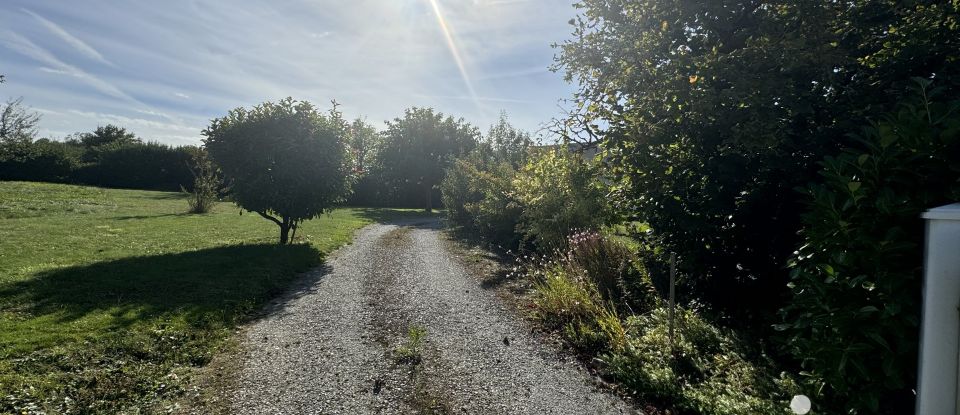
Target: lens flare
<point x="454" y="50"/>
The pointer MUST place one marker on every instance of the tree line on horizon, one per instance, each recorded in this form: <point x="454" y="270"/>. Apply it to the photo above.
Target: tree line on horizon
<point x="286" y="150"/>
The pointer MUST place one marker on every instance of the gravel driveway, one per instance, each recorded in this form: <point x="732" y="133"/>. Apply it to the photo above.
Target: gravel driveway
<point x="338" y="343"/>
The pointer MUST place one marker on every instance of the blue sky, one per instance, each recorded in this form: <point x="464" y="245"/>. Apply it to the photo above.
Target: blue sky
<point x="164" y="69"/>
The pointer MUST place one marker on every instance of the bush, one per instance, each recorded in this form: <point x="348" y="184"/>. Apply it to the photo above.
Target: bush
<point x="42" y="160"/>
<point x="206" y="184"/>
<point x="459" y="189"/>
<point x="856" y="279"/>
<point x="567" y="301"/>
<point x="550" y="196"/>
<point x="109" y="157"/>
<point x="559" y="192"/>
<point x="478" y="195"/>
<point x="150" y="166"/>
<point x="712" y="112"/>
<point x="583" y="290"/>
<point x="611" y="266"/>
<point x="709" y="370"/>
<point x="497" y="213"/>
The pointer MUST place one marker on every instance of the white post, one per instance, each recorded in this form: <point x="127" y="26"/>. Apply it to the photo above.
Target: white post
<point x="938" y="390"/>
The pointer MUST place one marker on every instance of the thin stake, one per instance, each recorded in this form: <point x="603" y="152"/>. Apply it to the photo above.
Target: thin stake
<point x="673" y="285"/>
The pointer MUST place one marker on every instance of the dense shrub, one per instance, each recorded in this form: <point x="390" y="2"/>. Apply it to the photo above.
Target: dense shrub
<point x="582" y="290"/>
<point x="539" y="204"/>
<point x="478" y="197"/>
<point x="712" y="112"/>
<point x="559" y="192"/>
<point x="613" y="269"/>
<point x="707" y="370"/>
<point x="458" y="189"/>
<point x="206" y="183"/>
<point x="478" y="188"/>
<point x="498" y="213"/>
<point x="600" y="298"/>
<point x="856" y="279"/>
<point x="415" y="151"/>
<point x="43" y="160"/>
<point x="567" y="300"/>
<point x="151" y="166"/>
<point x="125" y="162"/>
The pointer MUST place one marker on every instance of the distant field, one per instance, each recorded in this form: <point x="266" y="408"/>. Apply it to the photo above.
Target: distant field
<point x="108" y="297"/>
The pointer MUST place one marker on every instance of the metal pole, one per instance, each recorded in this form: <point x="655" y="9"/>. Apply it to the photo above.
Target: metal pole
<point x="673" y="289"/>
<point x="938" y="391"/>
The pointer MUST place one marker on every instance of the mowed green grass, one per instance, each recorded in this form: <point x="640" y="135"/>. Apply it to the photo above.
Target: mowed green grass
<point x="109" y="297"/>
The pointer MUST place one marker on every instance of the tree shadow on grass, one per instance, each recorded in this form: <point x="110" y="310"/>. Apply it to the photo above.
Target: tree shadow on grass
<point x="210" y="286"/>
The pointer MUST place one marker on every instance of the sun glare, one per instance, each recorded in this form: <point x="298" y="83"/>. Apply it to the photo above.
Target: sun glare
<point x="454" y="50"/>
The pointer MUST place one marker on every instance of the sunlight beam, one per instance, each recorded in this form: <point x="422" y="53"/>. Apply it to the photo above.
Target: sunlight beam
<point x="455" y="51"/>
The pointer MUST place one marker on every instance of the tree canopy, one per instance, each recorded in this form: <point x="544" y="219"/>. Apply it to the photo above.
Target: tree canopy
<point x="417" y="148"/>
<point x="363" y="140"/>
<point x="109" y="135"/>
<point x="17" y="123"/>
<point x="286" y="161"/>
<point x="507" y="143"/>
<point x="713" y="112"/>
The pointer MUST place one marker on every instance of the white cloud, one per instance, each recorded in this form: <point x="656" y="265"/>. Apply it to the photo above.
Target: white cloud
<point x="169" y="132"/>
<point x="27" y="48"/>
<point x="77" y="44"/>
<point x="195" y="62"/>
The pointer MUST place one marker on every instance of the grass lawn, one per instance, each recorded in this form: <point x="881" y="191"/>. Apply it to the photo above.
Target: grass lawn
<point x="109" y="297"/>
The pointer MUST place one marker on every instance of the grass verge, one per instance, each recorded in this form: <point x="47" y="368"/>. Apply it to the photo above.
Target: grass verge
<point x="597" y="299"/>
<point x="110" y="298"/>
<point x="706" y="369"/>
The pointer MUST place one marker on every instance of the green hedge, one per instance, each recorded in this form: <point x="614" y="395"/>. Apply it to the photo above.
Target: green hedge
<point x="853" y="319"/>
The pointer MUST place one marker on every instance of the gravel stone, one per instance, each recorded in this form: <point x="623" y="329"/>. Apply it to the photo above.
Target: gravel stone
<point x="330" y="345"/>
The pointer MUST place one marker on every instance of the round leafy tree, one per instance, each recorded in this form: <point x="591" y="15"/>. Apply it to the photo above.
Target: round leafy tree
<point x="416" y="150"/>
<point x="286" y="161"/>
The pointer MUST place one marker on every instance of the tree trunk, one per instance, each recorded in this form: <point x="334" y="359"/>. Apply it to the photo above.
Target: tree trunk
<point x="429" y="200"/>
<point x="284" y="230"/>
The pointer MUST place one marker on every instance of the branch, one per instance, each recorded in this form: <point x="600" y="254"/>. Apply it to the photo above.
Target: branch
<point x="576" y="126"/>
<point x="271" y="218"/>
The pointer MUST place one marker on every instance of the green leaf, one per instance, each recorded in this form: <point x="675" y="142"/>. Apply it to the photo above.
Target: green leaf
<point x="877" y="338"/>
<point x="887" y="136"/>
<point x="853" y="186"/>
